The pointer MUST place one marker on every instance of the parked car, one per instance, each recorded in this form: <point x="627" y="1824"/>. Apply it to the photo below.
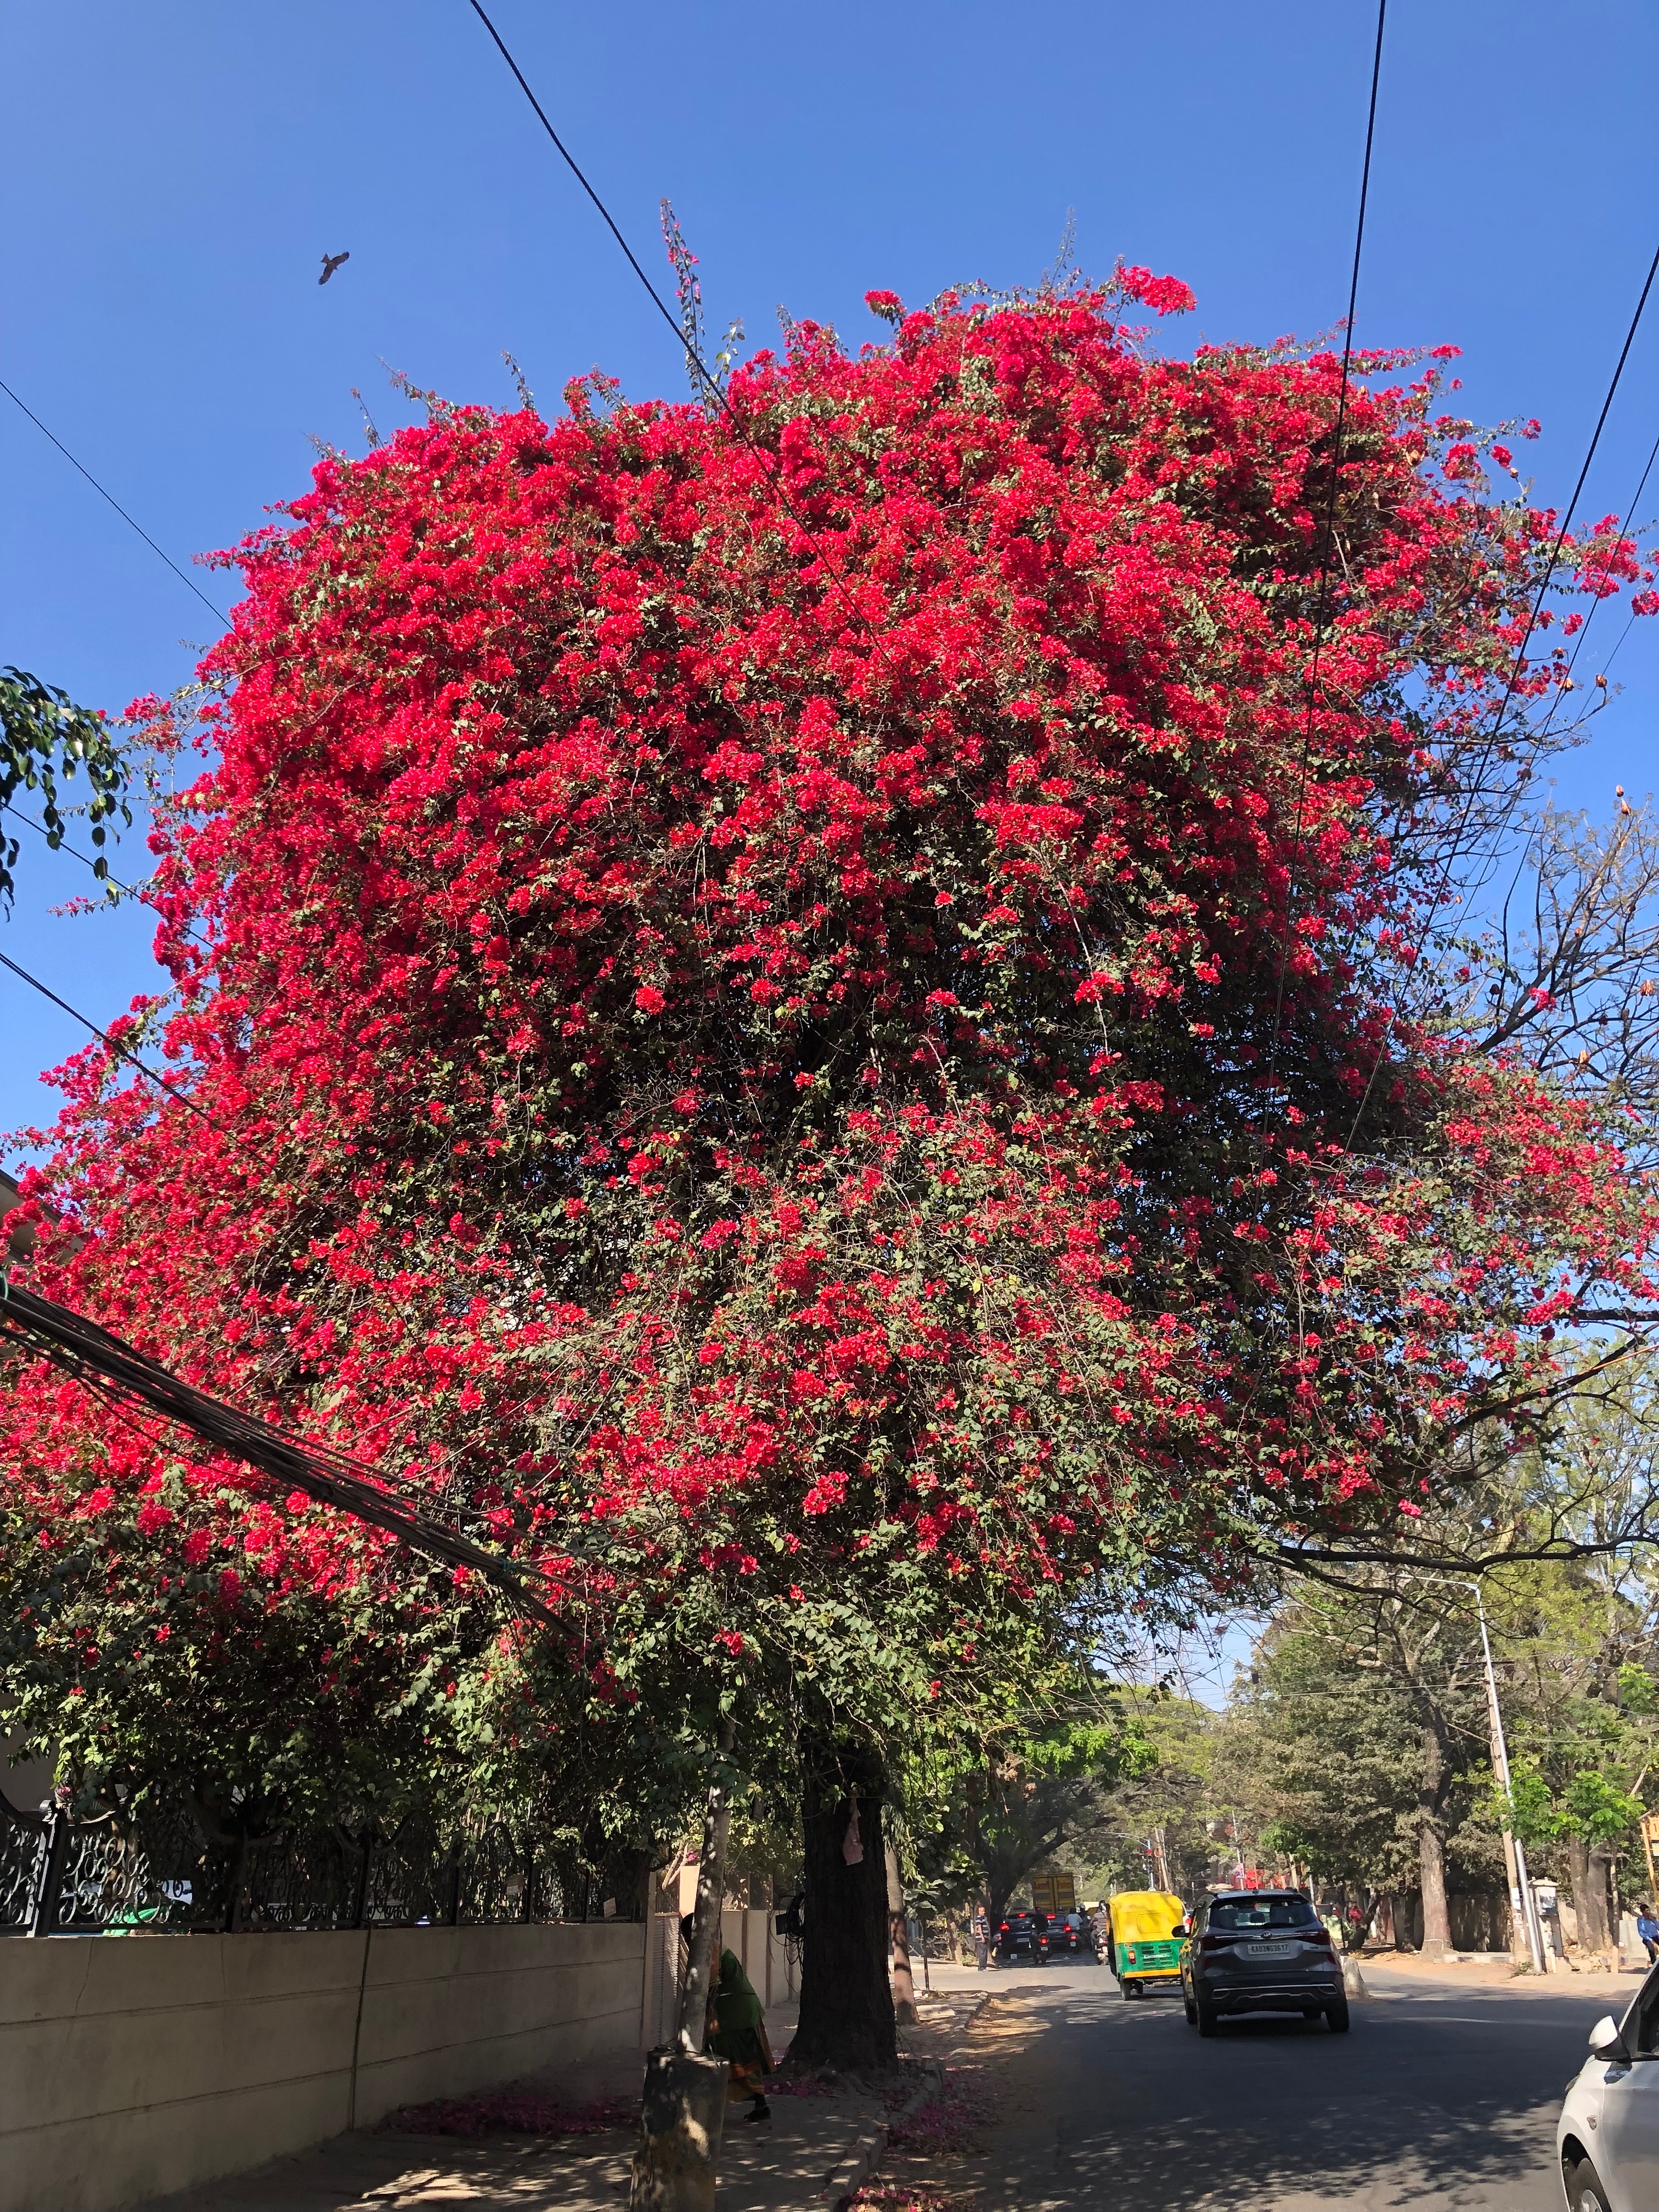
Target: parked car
<point x="1070" y="1935"/>
<point x="1023" y="1938"/>
<point x="1260" y="1950"/>
<point x="1607" y="2136"/>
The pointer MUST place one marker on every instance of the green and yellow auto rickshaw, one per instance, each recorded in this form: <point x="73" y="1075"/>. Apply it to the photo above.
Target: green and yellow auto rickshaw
<point x="1146" y="1938"/>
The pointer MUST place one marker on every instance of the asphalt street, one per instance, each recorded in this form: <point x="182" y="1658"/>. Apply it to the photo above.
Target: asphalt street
<point x="1442" y="2094"/>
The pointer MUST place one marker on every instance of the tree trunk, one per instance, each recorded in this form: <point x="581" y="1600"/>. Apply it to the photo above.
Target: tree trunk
<point x="1601" y="1877"/>
<point x="1617" y="1906"/>
<point x="846" y="2002"/>
<point x="1589" y="1894"/>
<point x="997" y="1895"/>
<point x="1437" y="1921"/>
<point x="904" y="1981"/>
<point x="700" y="1974"/>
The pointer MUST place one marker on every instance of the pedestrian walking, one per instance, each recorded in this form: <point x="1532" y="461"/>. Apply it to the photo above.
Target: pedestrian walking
<point x="736" y="2032"/>
<point x="1648" y="1928"/>
<point x="981" y="1933"/>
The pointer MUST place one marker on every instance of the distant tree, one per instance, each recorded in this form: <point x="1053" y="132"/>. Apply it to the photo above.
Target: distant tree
<point x="1171" y="1791"/>
<point x="1364" y="1736"/>
<point x="1347" y="1746"/>
<point x="1040" y="1794"/>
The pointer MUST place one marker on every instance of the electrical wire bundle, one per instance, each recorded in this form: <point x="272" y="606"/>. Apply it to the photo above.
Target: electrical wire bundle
<point x="122" y="1376"/>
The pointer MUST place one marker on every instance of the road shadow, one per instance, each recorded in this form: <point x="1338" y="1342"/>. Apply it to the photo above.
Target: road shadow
<point x="1439" y="2096"/>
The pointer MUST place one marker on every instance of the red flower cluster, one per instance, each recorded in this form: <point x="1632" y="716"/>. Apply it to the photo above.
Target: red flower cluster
<point x="780" y="1001"/>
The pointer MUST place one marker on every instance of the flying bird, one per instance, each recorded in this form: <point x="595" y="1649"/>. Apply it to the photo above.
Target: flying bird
<point x="331" y="263"/>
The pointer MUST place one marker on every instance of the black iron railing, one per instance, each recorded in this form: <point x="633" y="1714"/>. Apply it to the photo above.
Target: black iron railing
<point x="160" y="1869"/>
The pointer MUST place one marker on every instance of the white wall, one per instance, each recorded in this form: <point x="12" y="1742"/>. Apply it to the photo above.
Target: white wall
<point x="132" y="2066"/>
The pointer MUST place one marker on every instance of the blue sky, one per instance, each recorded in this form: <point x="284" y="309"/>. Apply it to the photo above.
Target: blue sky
<point x="174" y="174"/>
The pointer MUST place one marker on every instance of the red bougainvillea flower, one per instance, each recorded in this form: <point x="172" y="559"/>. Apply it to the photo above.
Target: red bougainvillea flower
<point x="782" y="1000"/>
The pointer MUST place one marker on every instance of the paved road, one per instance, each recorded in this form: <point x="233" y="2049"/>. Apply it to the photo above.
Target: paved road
<point x="1441" y="2095"/>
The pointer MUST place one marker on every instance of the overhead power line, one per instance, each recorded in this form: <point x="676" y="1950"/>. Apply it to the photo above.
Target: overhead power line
<point x="114" y="1370"/>
<point x="1626" y="521"/>
<point x="605" y="215"/>
<point x="1444" y="887"/>
<point x="189" y="582"/>
<point x="683" y="339"/>
<point x="167" y="1089"/>
<point x="1519" y="661"/>
<point x="139" y="891"/>
<point x="1627" y="516"/>
<point x="1322" y="607"/>
<point x="61" y="844"/>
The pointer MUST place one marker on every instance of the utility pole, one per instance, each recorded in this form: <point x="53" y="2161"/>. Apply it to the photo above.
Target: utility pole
<point x="1524" y="1906"/>
<point x="1160" y="1859"/>
<point x="1514" y="1851"/>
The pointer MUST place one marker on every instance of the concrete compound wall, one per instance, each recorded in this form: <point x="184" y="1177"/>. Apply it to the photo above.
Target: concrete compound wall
<point x="130" y="2067"/>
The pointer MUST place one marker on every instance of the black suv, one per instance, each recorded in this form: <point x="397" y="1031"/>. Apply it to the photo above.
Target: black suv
<point x="1024" y="1936"/>
<point x="1261" y="1950"/>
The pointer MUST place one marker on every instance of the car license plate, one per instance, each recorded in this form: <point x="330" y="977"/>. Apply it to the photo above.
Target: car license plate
<point x="1267" y="1950"/>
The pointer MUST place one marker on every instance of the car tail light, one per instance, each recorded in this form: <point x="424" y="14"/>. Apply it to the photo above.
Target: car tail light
<point x="1213" y="1942"/>
<point x="1002" y="1930"/>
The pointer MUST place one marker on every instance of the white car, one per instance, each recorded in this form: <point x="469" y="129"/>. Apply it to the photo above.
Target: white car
<point x="1607" y="2136"/>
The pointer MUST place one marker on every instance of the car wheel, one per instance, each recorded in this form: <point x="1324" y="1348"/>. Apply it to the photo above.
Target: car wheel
<point x="1336" y="2016"/>
<point x="1584" y="2188"/>
<point x="1191" y="2011"/>
<point x="1204" y="2019"/>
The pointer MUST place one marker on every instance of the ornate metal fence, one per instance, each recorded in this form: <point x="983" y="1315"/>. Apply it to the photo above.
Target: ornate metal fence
<point x="160" y="1871"/>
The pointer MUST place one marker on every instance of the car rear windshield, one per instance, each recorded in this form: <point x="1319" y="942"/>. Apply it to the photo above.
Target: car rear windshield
<point x="1232" y="1913"/>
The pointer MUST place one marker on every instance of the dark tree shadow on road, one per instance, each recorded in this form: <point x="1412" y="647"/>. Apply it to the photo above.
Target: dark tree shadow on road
<point x="1445" y="2097"/>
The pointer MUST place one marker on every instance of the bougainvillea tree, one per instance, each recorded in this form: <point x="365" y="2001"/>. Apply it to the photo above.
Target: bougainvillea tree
<point x="797" y="1011"/>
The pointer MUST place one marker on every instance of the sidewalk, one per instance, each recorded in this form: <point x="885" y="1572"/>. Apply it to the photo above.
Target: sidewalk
<point x="985" y="2144"/>
<point x="810" y="2143"/>
<point x="1494" y="1969"/>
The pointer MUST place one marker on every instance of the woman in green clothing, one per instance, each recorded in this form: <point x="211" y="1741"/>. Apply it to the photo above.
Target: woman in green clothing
<point x="737" y="2032"/>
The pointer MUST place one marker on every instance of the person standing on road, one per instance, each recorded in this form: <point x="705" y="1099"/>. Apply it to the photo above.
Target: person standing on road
<point x="982" y="1930"/>
<point x="1648" y="1928"/>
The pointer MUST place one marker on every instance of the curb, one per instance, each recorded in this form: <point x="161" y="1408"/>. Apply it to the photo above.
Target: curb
<point x="863" y="2155"/>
